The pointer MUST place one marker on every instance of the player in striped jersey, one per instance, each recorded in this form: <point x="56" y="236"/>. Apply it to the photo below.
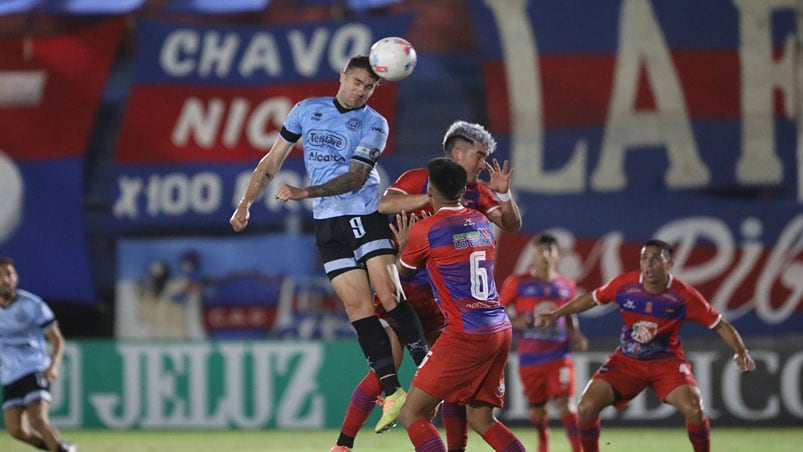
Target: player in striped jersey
<point x="545" y="363"/>
<point x="466" y="365"/>
<point x="470" y="145"/>
<point x="654" y="304"/>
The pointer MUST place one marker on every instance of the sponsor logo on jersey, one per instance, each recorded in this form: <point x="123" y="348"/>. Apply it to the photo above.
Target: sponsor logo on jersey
<point x="472" y="239"/>
<point x="644" y="332"/>
<point x="317" y="137"/>
<point x="321" y="157"/>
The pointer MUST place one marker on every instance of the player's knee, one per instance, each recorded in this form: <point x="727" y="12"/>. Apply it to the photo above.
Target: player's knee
<point x="694" y="412"/>
<point x="587" y="410"/>
<point x="538" y="412"/>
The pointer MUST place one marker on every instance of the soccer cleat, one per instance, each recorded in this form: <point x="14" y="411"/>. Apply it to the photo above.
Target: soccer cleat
<point x="391" y="406"/>
<point x="339" y="448"/>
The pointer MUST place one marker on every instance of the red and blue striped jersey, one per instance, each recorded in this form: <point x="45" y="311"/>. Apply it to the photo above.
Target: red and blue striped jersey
<point x="457" y="245"/>
<point x="529" y="295"/>
<point x="414" y="181"/>
<point x="652" y="322"/>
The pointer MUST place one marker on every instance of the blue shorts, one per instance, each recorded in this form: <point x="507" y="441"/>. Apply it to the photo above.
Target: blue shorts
<point x="346" y="242"/>
<point x="27" y="389"/>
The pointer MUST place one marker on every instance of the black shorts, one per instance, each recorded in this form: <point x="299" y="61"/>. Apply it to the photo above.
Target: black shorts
<point x="27" y="389"/>
<point x="346" y="242"/>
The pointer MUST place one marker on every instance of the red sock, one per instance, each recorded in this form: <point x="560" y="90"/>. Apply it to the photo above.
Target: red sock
<point x="700" y="436"/>
<point x="500" y="438"/>
<point x="589" y="435"/>
<point x="425" y="436"/>
<point x="363" y="401"/>
<point x="570" y="424"/>
<point x="453" y="417"/>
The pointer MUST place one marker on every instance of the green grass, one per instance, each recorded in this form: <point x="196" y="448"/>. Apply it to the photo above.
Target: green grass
<point x="613" y="439"/>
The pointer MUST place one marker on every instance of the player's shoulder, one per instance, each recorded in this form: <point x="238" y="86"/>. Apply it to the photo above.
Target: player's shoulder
<point x="369" y="110"/>
<point x="415" y="173"/>
<point x="317" y="101"/>
<point x="686" y="289"/>
<point x="624" y="279"/>
<point x="28" y="297"/>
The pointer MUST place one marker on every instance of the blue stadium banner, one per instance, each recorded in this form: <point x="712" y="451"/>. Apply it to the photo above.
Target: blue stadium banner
<point x="207" y="103"/>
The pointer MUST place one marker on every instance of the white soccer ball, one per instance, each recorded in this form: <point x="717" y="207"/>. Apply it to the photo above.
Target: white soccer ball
<point x="393" y="58"/>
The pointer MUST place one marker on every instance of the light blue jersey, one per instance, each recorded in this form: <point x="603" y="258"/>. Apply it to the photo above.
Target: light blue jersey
<point x="23" y="348"/>
<point x="332" y="138"/>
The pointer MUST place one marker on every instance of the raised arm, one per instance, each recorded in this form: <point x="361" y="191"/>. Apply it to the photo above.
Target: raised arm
<point x="508" y="217"/>
<point x="263" y="174"/>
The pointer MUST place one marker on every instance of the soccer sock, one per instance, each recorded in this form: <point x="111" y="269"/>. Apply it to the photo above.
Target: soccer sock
<point x="410" y="331"/>
<point x="542" y="427"/>
<point x="570" y="424"/>
<point x="425" y="436"/>
<point x="700" y="435"/>
<point x="376" y="346"/>
<point x="589" y="435"/>
<point x="453" y="417"/>
<point x="363" y="401"/>
<point x="500" y="437"/>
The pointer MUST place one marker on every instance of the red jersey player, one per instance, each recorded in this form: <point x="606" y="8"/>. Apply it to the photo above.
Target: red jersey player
<point x="545" y="364"/>
<point x="467" y="363"/>
<point x="468" y="144"/>
<point x="654" y="304"/>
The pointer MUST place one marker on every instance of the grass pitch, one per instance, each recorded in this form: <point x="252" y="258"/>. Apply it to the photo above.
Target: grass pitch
<point x="613" y="439"/>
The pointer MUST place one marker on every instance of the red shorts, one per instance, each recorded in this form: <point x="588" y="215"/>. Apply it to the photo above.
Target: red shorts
<point x="466" y="368"/>
<point x="546" y="381"/>
<point x="629" y="376"/>
<point x="423" y="302"/>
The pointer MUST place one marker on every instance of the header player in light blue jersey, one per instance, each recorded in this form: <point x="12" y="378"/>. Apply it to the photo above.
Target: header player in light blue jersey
<point x="343" y="139"/>
<point x="26" y="367"/>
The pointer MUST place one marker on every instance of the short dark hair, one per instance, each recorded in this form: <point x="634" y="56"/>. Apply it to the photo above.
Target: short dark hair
<point x="362" y="62"/>
<point x="545" y="238"/>
<point x="448" y="177"/>
<point x="660" y="244"/>
<point x="6" y="260"/>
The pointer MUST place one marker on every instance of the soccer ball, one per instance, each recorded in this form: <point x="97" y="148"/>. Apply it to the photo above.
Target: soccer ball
<point x="392" y="58"/>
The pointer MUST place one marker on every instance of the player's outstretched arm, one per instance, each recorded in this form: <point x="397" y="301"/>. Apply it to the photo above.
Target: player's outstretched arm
<point x="731" y="337"/>
<point x="267" y="168"/>
<point x="577" y="305"/>
<point x="395" y="201"/>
